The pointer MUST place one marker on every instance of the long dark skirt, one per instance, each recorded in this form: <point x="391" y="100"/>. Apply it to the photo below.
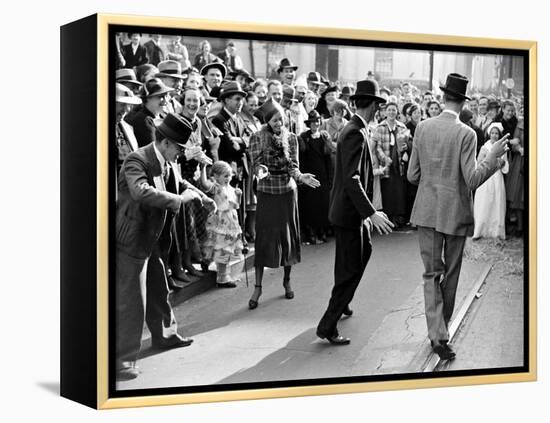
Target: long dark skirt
<point x="277" y="230"/>
<point x="394" y="195"/>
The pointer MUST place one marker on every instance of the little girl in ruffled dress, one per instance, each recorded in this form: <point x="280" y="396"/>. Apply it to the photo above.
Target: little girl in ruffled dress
<point x="224" y="234"/>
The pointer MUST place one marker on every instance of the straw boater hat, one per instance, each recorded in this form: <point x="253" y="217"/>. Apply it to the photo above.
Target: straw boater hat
<point x="155" y="87"/>
<point x="171" y="69"/>
<point x="176" y="129"/>
<point x="127" y="75"/>
<point x="125" y="95"/>
<point x="367" y="88"/>
<point x="284" y="64"/>
<point x="456" y="85"/>
<point x="216" y="65"/>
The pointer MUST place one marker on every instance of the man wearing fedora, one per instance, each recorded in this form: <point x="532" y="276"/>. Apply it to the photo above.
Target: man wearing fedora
<point x="443" y="165"/>
<point x="234" y="140"/>
<point x="127" y="77"/>
<point x="134" y="53"/>
<point x="287" y="71"/>
<point x="351" y="210"/>
<point x="314" y="82"/>
<point x="150" y="194"/>
<point x="170" y="74"/>
<point x="125" y="139"/>
<point x="155" y="99"/>
<point x="213" y="74"/>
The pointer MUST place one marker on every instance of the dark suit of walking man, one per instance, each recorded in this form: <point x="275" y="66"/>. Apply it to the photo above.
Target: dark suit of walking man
<point x="443" y="165"/>
<point x="351" y="210"/>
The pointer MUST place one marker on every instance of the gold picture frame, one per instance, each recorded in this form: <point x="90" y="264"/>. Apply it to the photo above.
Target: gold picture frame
<point x="99" y="26"/>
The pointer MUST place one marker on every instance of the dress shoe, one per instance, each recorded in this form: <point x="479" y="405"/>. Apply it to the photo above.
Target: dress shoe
<point x="174" y="284"/>
<point x="193" y="272"/>
<point x="253" y="302"/>
<point x="226" y="285"/>
<point x="126" y="370"/>
<point x="174" y="341"/>
<point x="180" y="274"/>
<point x="347" y="311"/>
<point x="444" y="351"/>
<point x="334" y="339"/>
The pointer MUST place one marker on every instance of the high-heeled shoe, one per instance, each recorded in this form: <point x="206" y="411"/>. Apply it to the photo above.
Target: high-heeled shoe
<point x="289" y="293"/>
<point x="252" y="304"/>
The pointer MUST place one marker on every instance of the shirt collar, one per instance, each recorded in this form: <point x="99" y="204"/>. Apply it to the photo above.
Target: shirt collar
<point x="451" y="112"/>
<point x="231" y="115"/>
<point x="160" y="158"/>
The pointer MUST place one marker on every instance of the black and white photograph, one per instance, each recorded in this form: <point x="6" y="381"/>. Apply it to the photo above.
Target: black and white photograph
<point x="290" y="212"/>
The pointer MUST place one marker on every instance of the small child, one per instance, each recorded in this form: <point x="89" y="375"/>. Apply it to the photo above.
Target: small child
<point x="223" y="240"/>
<point x="490" y="197"/>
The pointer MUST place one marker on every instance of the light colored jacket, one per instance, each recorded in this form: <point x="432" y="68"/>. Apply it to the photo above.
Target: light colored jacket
<point x="443" y="165"/>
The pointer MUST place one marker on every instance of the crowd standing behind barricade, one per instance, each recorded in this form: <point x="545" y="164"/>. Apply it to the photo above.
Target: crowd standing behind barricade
<point x="225" y="106"/>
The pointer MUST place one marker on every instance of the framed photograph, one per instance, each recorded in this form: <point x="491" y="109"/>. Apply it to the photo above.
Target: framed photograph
<point x="253" y="211"/>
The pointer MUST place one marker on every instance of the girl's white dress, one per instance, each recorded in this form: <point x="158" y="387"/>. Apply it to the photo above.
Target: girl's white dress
<point x="490" y="201"/>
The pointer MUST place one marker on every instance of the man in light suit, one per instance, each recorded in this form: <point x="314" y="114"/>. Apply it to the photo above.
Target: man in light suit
<point x="351" y="210"/>
<point x="443" y="165"/>
<point x="150" y="194"/>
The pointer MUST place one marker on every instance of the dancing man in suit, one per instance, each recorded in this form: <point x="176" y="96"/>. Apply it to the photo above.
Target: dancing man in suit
<point x="443" y="165"/>
<point x="351" y="210"/>
<point x="150" y="194"/>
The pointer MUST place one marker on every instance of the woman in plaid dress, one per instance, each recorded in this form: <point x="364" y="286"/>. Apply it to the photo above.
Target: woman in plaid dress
<point x="274" y="155"/>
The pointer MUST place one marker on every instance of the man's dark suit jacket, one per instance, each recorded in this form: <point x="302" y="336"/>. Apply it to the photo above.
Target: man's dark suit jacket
<point x="142" y="205"/>
<point x="154" y="52"/>
<point x="140" y="58"/>
<point x="231" y="127"/>
<point x="350" y="199"/>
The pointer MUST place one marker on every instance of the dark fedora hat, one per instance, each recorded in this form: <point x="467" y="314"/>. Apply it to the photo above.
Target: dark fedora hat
<point x="286" y="63"/>
<point x="289" y="93"/>
<point x="314" y="78"/>
<point x="216" y="65"/>
<point x="155" y="87"/>
<point x="312" y="117"/>
<point x="176" y="129"/>
<point x="367" y="88"/>
<point x="230" y="88"/>
<point x="127" y="75"/>
<point x="171" y="69"/>
<point x="456" y="85"/>
<point x="143" y="70"/>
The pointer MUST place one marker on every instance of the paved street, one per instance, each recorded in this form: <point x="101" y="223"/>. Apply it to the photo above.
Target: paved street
<point x="277" y="340"/>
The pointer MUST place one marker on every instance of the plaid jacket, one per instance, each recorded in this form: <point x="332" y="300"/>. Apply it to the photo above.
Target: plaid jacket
<point x="279" y="156"/>
<point x="382" y="141"/>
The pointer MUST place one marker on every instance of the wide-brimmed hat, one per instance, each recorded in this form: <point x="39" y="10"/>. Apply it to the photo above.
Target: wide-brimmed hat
<point x="230" y="88"/>
<point x="242" y="72"/>
<point x="176" y="129"/>
<point x="367" y="88"/>
<point x="141" y="70"/>
<point x="171" y="69"/>
<point x="125" y="95"/>
<point x="289" y="93"/>
<point x="456" y="85"/>
<point x="314" y="78"/>
<point x="155" y="87"/>
<point x="312" y="117"/>
<point x="216" y="65"/>
<point x="127" y="75"/>
<point x="286" y="63"/>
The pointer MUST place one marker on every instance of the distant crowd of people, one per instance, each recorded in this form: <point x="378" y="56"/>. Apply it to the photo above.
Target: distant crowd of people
<point x="251" y="161"/>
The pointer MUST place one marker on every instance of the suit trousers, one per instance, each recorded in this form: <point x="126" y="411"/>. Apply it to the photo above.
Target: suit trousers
<point x="141" y="295"/>
<point x="442" y="257"/>
<point x="353" y="251"/>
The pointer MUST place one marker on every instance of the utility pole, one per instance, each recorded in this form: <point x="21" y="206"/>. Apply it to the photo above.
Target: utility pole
<point x="431" y="70"/>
